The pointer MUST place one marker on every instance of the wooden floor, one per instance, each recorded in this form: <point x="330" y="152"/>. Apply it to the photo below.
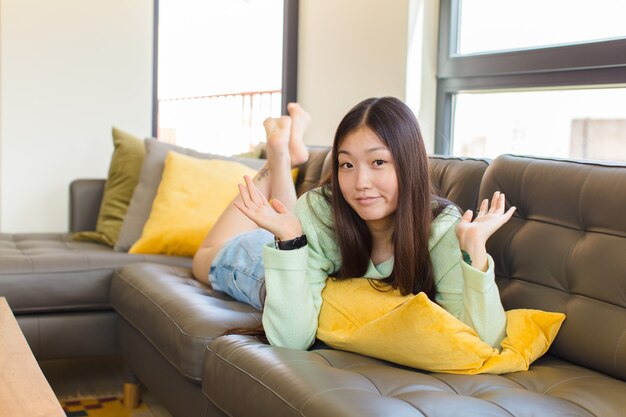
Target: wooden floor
<point x="92" y="377"/>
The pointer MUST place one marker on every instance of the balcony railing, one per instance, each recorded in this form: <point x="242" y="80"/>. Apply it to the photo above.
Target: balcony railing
<point x="225" y="124"/>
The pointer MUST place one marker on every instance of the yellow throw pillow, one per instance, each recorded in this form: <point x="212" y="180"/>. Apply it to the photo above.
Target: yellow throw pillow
<point x="123" y="177"/>
<point x="192" y="195"/>
<point x="414" y="331"/>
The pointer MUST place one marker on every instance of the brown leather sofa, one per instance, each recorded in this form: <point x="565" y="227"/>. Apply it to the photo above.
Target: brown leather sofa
<point x="565" y="250"/>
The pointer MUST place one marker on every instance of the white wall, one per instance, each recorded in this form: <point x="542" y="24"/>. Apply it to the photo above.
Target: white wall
<point x="421" y="80"/>
<point x="348" y="50"/>
<point x="69" y="70"/>
<point x="353" y="49"/>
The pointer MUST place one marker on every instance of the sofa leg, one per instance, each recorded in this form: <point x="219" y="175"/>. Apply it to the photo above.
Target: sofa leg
<point x="131" y="390"/>
<point x="131" y="395"/>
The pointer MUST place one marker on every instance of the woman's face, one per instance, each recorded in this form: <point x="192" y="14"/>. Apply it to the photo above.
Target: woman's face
<point x="367" y="177"/>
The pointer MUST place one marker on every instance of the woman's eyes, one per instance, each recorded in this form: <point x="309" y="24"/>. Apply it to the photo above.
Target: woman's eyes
<point x="376" y="163"/>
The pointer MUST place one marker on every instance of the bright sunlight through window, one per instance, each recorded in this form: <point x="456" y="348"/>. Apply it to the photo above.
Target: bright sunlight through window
<point x="580" y="124"/>
<point x="219" y="72"/>
<point x="499" y="25"/>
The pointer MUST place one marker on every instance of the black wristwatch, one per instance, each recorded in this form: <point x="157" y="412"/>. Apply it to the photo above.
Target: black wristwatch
<point x="292" y="244"/>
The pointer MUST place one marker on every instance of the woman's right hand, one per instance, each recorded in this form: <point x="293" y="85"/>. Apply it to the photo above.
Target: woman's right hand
<point x="272" y="216"/>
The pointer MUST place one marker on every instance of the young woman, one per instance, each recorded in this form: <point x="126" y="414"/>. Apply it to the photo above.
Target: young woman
<point x="377" y="218"/>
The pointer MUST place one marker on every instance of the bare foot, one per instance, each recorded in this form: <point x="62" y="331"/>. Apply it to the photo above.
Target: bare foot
<point x="277" y="132"/>
<point x="300" y="120"/>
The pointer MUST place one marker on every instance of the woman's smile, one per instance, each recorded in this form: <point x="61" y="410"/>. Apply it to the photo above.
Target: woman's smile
<point x="368" y="201"/>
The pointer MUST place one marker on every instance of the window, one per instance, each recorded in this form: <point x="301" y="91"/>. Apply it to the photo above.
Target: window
<point x="534" y="77"/>
<point x="497" y="25"/>
<point x="222" y="67"/>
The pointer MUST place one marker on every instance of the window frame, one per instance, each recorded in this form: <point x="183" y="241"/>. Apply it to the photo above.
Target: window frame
<point x="581" y="65"/>
<point x="289" y="87"/>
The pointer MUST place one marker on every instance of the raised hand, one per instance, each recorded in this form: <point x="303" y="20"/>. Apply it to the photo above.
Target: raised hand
<point x="272" y="216"/>
<point x="473" y="235"/>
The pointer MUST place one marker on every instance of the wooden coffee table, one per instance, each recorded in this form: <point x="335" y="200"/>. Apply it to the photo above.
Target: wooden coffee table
<point x="24" y="391"/>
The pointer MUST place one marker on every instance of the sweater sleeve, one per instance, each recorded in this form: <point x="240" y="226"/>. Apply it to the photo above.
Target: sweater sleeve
<point x="464" y="291"/>
<point x="295" y="279"/>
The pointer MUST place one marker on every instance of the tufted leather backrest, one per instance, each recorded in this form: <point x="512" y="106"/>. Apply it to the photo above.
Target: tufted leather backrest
<point x="565" y="250"/>
<point x="458" y="179"/>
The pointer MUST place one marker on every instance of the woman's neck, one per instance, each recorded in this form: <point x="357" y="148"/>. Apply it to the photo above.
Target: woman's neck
<point x="382" y="243"/>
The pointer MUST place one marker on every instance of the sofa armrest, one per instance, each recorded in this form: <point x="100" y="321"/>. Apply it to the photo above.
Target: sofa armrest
<point x="85" y="199"/>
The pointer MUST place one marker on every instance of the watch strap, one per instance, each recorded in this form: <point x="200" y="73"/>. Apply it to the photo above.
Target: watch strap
<point x="292" y="244"/>
<point x="466" y="258"/>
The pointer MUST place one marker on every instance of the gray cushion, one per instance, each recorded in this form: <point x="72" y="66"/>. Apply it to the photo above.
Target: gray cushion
<point x="149" y="180"/>
<point x="41" y="273"/>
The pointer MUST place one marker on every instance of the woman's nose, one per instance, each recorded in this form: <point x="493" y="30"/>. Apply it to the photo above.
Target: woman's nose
<point x="363" y="180"/>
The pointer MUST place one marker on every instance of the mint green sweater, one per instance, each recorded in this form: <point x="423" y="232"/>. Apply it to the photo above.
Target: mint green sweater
<point x="295" y="279"/>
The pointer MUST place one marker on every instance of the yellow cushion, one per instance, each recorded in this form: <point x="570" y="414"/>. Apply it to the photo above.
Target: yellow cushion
<point x="123" y="178"/>
<point x="192" y="195"/>
<point x="414" y="331"/>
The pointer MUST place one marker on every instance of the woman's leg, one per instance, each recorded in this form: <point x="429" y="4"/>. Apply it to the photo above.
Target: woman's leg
<point x="300" y="120"/>
<point x="274" y="180"/>
<point x="281" y="181"/>
<point x="282" y="187"/>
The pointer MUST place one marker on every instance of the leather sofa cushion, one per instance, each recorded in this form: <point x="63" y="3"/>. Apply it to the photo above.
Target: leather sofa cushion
<point x="322" y="383"/>
<point x="458" y="179"/>
<point x="42" y="273"/>
<point x="176" y="313"/>
<point x="71" y="334"/>
<point x="564" y="250"/>
<point x="310" y="172"/>
<point x="85" y="199"/>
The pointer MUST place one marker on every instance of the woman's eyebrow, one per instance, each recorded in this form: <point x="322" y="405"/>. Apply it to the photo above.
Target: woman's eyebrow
<point x="377" y="148"/>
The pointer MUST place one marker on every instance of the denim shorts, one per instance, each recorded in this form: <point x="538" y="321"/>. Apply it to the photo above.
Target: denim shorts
<point x="238" y="270"/>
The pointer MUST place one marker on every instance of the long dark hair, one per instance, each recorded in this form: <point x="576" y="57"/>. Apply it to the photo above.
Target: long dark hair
<point x="396" y="126"/>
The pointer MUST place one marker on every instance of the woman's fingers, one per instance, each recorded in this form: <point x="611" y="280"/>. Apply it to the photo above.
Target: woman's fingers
<point x="502" y="203"/>
<point x="484" y="207"/>
<point x="250" y="194"/>
<point x="245" y="195"/>
<point x="497" y="198"/>
<point x="509" y="212"/>
<point x="467" y="216"/>
<point x="245" y="210"/>
<point x="496" y="206"/>
<point x="253" y="192"/>
<point x="495" y="202"/>
<point x="256" y="194"/>
<point x="278" y="206"/>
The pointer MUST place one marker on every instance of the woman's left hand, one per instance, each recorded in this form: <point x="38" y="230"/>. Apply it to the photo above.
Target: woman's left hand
<point x="272" y="216"/>
<point x="473" y="235"/>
